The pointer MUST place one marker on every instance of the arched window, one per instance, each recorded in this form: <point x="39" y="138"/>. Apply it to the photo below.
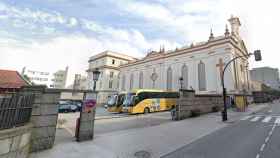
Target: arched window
<point x="123" y="82"/>
<point x="184" y="74"/>
<point x="169" y="79"/>
<point x="201" y="76"/>
<point x="141" y="79"/>
<point x="131" y="82"/>
<point x="118" y="82"/>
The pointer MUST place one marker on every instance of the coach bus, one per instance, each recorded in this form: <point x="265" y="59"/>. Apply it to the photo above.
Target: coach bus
<point x="115" y="103"/>
<point x="146" y="101"/>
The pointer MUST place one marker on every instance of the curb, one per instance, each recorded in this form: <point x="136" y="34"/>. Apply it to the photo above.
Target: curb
<point x="110" y="117"/>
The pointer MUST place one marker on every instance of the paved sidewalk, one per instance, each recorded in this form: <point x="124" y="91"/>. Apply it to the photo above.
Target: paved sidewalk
<point x="156" y="141"/>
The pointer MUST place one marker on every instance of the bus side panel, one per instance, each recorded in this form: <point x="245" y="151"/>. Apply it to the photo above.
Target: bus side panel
<point x="139" y="108"/>
<point x="167" y="103"/>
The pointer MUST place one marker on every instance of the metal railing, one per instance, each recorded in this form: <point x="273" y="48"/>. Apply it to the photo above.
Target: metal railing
<point x="15" y="110"/>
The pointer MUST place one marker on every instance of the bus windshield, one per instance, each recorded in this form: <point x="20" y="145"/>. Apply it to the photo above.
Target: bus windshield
<point x="128" y="100"/>
<point x="112" y="101"/>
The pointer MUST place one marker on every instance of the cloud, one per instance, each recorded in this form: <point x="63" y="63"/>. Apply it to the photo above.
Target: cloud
<point x="75" y="38"/>
<point x="26" y="16"/>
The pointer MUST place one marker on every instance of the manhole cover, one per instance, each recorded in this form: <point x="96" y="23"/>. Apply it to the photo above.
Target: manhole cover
<point x="142" y="154"/>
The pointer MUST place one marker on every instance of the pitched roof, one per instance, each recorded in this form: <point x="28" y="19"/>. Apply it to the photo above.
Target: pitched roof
<point x="11" y="79"/>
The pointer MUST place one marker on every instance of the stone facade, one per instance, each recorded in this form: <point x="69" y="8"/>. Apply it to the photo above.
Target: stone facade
<point x="190" y="104"/>
<point x="199" y="64"/>
<point x="15" y="142"/>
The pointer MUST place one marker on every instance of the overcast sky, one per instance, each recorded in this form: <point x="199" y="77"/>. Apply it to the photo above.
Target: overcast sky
<point x="51" y="34"/>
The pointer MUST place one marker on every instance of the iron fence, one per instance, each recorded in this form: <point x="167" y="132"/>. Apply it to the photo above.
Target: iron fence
<point x="15" y="110"/>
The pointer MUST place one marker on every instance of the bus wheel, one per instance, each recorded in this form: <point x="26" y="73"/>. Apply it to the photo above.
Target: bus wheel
<point x="146" y="110"/>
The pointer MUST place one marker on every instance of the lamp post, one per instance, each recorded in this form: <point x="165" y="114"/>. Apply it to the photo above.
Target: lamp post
<point x="95" y="76"/>
<point x="258" y="57"/>
<point x="181" y="82"/>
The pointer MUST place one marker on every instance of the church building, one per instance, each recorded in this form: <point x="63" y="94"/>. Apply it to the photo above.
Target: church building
<point x="200" y="66"/>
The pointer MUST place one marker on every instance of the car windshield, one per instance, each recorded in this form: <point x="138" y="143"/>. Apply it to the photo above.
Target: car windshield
<point x="112" y="100"/>
<point x="128" y="100"/>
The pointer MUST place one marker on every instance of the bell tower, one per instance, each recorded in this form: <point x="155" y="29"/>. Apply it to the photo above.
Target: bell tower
<point x="235" y="24"/>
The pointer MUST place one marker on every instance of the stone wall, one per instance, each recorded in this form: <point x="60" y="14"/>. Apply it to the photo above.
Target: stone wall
<point x="190" y="104"/>
<point x="44" y="116"/>
<point x="15" y="142"/>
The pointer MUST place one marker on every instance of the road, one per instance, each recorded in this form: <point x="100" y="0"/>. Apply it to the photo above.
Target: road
<point x="254" y="136"/>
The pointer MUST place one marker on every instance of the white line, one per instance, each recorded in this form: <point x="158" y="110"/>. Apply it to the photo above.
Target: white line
<point x="262" y="147"/>
<point x="255" y="119"/>
<point x="258" y="156"/>
<point x="266" y="139"/>
<point x="246" y="117"/>
<point x="270" y="133"/>
<point x="277" y="121"/>
<point x="267" y="119"/>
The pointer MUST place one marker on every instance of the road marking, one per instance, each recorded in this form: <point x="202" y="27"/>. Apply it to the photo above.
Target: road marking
<point x="270" y="111"/>
<point x="267" y="119"/>
<point x="255" y="119"/>
<point x="277" y="121"/>
<point x="246" y="117"/>
<point x="262" y="147"/>
<point x="258" y="156"/>
<point x="266" y="139"/>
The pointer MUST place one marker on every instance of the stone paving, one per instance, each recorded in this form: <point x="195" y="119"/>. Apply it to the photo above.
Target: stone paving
<point x="154" y="141"/>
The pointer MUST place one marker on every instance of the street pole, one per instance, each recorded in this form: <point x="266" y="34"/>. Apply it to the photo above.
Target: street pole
<point x="94" y="86"/>
<point x="224" y="111"/>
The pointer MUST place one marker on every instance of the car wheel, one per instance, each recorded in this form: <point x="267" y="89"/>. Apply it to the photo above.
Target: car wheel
<point x="146" y="110"/>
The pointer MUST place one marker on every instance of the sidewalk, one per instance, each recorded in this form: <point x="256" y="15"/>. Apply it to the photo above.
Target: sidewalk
<point x="155" y="141"/>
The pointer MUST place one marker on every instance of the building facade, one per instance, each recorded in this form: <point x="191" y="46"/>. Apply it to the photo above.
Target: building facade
<point x="266" y="75"/>
<point x="200" y="65"/>
<point x="51" y="80"/>
<point x="80" y="82"/>
<point x="108" y="63"/>
<point x="59" y="79"/>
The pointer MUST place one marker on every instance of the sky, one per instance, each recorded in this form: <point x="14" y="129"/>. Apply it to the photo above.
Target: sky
<point x="52" y="34"/>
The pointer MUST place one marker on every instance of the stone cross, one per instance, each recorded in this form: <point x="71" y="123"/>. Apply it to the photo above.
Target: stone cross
<point x="221" y="67"/>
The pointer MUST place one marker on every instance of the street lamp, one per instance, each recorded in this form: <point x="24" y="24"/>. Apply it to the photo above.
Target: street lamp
<point x="181" y="82"/>
<point x="95" y="76"/>
<point x="258" y="57"/>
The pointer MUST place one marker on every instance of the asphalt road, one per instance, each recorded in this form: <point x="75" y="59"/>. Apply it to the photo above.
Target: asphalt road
<point x="254" y="136"/>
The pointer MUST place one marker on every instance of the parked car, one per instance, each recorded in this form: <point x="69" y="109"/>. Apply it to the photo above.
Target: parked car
<point x="64" y="108"/>
<point x="79" y="106"/>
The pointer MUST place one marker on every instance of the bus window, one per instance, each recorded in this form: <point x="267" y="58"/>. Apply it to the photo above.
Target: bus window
<point x="128" y="100"/>
<point x="112" y="100"/>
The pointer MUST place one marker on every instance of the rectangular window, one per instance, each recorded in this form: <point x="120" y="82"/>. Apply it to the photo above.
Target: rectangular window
<point x="113" y="61"/>
<point x="110" y="84"/>
<point x="111" y="74"/>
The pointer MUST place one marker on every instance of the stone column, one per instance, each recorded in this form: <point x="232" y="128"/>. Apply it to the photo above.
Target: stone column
<point x="44" y="116"/>
<point x="87" y="116"/>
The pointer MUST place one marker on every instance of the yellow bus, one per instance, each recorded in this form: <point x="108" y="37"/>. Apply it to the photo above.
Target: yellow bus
<point x="149" y="100"/>
<point x="115" y="103"/>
